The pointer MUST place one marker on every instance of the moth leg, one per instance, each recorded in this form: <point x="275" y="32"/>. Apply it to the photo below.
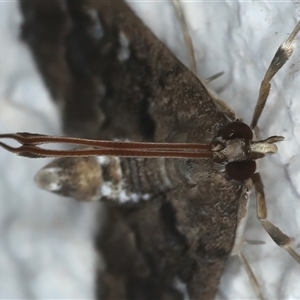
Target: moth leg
<point x="281" y="56"/>
<point x="213" y="77"/>
<point x="240" y="242"/>
<point x="186" y="35"/>
<point x="222" y="107"/>
<point x="275" y="233"/>
<point x="251" y="275"/>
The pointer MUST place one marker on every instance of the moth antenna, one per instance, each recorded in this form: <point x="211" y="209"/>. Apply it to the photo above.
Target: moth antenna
<point x="187" y="37"/>
<point x="281" y="56"/>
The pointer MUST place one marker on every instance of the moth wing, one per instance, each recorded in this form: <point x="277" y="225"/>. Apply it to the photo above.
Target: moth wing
<point x="114" y="79"/>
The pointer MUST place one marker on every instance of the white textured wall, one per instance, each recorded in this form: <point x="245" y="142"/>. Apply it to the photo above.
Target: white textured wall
<point x="45" y="245"/>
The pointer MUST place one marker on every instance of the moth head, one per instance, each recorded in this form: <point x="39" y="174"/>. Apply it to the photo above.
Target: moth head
<point x="236" y="147"/>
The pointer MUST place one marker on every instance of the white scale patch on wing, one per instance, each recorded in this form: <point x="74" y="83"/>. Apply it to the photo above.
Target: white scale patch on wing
<point x="96" y="28"/>
<point x="124" y="51"/>
<point x="182" y="288"/>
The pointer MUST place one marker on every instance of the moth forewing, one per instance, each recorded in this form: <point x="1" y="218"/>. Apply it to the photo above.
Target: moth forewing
<point x="244" y="61"/>
<point x="248" y="76"/>
<point x="240" y="81"/>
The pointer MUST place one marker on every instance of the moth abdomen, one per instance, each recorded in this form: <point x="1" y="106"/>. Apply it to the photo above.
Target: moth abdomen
<point x="103" y="177"/>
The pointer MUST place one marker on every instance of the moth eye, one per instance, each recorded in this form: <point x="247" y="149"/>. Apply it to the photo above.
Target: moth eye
<point x="235" y="130"/>
<point x="240" y="170"/>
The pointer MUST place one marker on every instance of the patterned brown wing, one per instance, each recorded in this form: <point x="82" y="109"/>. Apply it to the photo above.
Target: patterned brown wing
<point x="114" y="79"/>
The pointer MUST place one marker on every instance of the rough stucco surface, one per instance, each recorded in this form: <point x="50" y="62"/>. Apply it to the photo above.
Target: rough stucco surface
<point x="46" y="241"/>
